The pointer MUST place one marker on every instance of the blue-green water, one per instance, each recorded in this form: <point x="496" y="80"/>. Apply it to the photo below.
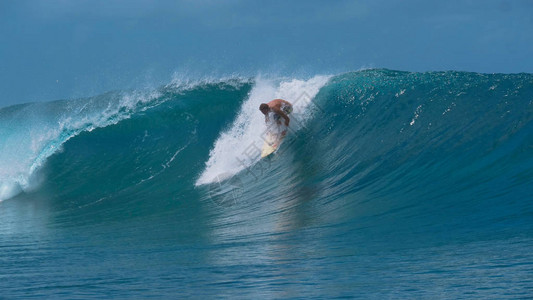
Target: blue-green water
<point x="389" y="185"/>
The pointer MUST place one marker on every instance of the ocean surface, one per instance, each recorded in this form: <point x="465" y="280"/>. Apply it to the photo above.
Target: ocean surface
<point x="389" y="184"/>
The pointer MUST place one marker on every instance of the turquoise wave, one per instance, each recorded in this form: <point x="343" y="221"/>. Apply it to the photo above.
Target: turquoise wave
<point x="400" y="135"/>
<point x="385" y="162"/>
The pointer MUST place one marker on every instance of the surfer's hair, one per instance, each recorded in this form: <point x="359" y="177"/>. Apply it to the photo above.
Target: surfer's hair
<point x="263" y="106"/>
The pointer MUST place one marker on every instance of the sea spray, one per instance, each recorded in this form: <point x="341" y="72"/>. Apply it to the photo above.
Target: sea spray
<point x="234" y="149"/>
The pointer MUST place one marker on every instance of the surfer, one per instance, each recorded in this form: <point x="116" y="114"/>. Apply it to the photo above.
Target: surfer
<point x="279" y="108"/>
<point x="274" y="135"/>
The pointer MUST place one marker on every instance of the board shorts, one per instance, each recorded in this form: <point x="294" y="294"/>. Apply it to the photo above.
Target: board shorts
<point x="287" y="109"/>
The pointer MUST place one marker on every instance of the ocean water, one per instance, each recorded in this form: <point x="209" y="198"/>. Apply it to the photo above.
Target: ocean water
<point x="389" y="184"/>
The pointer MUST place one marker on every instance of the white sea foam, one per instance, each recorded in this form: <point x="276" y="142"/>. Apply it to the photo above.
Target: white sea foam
<point x="237" y="148"/>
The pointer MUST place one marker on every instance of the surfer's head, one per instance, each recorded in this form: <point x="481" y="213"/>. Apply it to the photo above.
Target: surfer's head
<point x="264" y="108"/>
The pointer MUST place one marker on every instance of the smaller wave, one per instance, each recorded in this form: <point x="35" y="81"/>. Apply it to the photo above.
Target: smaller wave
<point x="31" y="133"/>
<point x="238" y="147"/>
<point x="42" y="128"/>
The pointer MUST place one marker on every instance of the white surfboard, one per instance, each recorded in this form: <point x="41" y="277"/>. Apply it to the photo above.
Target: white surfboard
<point x="271" y="144"/>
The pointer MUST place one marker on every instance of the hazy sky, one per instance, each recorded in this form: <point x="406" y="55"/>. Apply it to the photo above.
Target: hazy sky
<point x="52" y="49"/>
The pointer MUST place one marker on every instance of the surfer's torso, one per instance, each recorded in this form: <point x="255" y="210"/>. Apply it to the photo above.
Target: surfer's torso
<point x="285" y="107"/>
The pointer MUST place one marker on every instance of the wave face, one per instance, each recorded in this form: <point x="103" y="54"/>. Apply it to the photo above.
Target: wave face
<point x="388" y="184"/>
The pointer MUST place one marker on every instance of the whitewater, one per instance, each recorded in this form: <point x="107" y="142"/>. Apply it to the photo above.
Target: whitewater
<point x="390" y="184"/>
<point x="231" y="153"/>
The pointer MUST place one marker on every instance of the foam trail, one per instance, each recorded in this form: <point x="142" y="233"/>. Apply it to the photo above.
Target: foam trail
<point x="237" y="148"/>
